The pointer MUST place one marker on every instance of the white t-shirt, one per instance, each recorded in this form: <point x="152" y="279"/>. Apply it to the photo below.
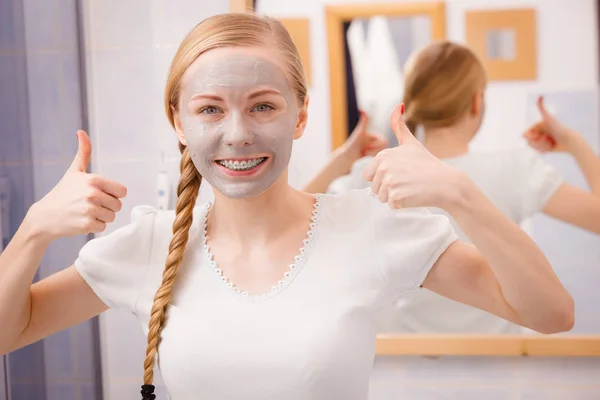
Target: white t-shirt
<point x="311" y="338"/>
<point x="519" y="183"/>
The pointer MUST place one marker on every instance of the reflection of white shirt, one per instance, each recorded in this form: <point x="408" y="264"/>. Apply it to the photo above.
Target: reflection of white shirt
<point x="519" y="183"/>
<point x="311" y="338"/>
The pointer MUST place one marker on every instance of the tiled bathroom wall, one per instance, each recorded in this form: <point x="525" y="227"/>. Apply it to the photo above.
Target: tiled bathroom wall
<point x="41" y="108"/>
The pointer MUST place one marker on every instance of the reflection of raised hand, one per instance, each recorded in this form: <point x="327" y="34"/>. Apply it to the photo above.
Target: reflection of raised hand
<point x="569" y="203"/>
<point x="408" y="175"/>
<point x="80" y="203"/>
<point x="549" y="134"/>
<point x="361" y="142"/>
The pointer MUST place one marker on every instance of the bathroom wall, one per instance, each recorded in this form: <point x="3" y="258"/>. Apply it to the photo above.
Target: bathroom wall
<point x="41" y="108"/>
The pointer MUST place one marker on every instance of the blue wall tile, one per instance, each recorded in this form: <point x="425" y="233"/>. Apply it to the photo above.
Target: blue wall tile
<point x="58" y="356"/>
<point x="61" y="254"/>
<point x="44" y="106"/>
<point x="9" y="130"/>
<point x="47" y="175"/>
<point x="85" y="357"/>
<point x="89" y="392"/>
<point x="27" y="364"/>
<point x="28" y="391"/>
<point x="21" y="185"/>
<point x="61" y="392"/>
<point x="14" y="130"/>
<point x="42" y="25"/>
<point x="67" y="17"/>
<point x="7" y="25"/>
<point x="71" y="99"/>
<point x="11" y="26"/>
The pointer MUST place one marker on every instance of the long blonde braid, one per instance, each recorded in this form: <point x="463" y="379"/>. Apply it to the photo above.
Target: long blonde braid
<point x="187" y="193"/>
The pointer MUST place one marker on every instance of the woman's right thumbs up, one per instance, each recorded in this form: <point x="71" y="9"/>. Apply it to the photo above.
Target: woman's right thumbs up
<point x="80" y="203"/>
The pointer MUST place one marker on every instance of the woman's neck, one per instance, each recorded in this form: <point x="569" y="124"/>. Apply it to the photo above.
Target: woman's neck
<point x="447" y="142"/>
<point x="259" y="219"/>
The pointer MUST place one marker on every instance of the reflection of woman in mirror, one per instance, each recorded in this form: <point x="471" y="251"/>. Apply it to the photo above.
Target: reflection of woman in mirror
<point x="444" y="97"/>
<point x="268" y="292"/>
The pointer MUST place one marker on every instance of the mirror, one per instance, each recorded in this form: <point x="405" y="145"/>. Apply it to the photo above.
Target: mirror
<point x="368" y="49"/>
<point x="378" y="47"/>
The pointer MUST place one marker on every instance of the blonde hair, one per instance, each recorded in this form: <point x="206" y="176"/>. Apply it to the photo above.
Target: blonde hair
<point x="226" y="30"/>
<point x="440" y="82"/>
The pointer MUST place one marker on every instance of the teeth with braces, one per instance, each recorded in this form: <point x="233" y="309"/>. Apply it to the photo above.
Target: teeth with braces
<point x="242" y="165"/>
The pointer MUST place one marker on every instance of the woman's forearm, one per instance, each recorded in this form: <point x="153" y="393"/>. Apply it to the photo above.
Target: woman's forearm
<point x="338" y="165"/>
<point x="525" y="276"/>
<point x="18" y="265"/>
<point x="588" y="161"/>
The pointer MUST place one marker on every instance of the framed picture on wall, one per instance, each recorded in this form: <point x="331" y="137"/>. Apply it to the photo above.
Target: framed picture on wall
<point x="505" y="40"/>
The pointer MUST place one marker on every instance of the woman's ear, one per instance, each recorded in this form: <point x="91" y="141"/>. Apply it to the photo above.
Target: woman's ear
<point x="302" y="119"/>
<point x="178" y="128"/>
<point x="477" y="107"/>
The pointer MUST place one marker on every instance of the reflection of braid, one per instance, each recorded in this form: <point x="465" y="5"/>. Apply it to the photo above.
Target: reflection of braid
<point x="187" y="193"/>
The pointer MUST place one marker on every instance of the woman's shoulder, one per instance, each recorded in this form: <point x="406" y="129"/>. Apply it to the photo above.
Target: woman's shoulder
<point x="404" y="242"/>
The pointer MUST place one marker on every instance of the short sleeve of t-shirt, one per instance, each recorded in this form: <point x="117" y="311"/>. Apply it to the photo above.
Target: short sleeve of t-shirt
<point x="115" y="265"/>
<point x="407" y="243"/>
<point x="536" y="180"/>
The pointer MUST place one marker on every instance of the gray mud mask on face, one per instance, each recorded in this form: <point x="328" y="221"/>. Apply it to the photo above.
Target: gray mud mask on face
<point x="238" y="134"/>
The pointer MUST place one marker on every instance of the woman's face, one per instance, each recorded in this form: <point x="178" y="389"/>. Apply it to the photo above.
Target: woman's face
<point x="238" y="116"/>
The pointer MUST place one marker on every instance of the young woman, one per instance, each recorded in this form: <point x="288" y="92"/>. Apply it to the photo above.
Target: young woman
<point x="445" y="83"/>
<point x="269" y="292"/>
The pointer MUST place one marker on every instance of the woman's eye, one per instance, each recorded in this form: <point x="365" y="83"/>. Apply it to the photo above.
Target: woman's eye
<point x="209" y="110"/>
<point x="263" y="107"/>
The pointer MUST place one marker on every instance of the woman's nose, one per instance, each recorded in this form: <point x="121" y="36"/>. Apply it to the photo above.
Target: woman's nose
<point x="237" y="132"/>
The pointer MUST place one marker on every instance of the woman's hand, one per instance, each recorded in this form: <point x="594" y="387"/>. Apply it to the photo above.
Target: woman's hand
<point x="409" y="176"/>
<point x="550" y="134"/>
<point x="361" y="143"/>
<point x="80" y="203"/>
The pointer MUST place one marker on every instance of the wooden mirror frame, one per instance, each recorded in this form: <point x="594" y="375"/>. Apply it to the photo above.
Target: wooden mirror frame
<point x="563" y="345"/>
